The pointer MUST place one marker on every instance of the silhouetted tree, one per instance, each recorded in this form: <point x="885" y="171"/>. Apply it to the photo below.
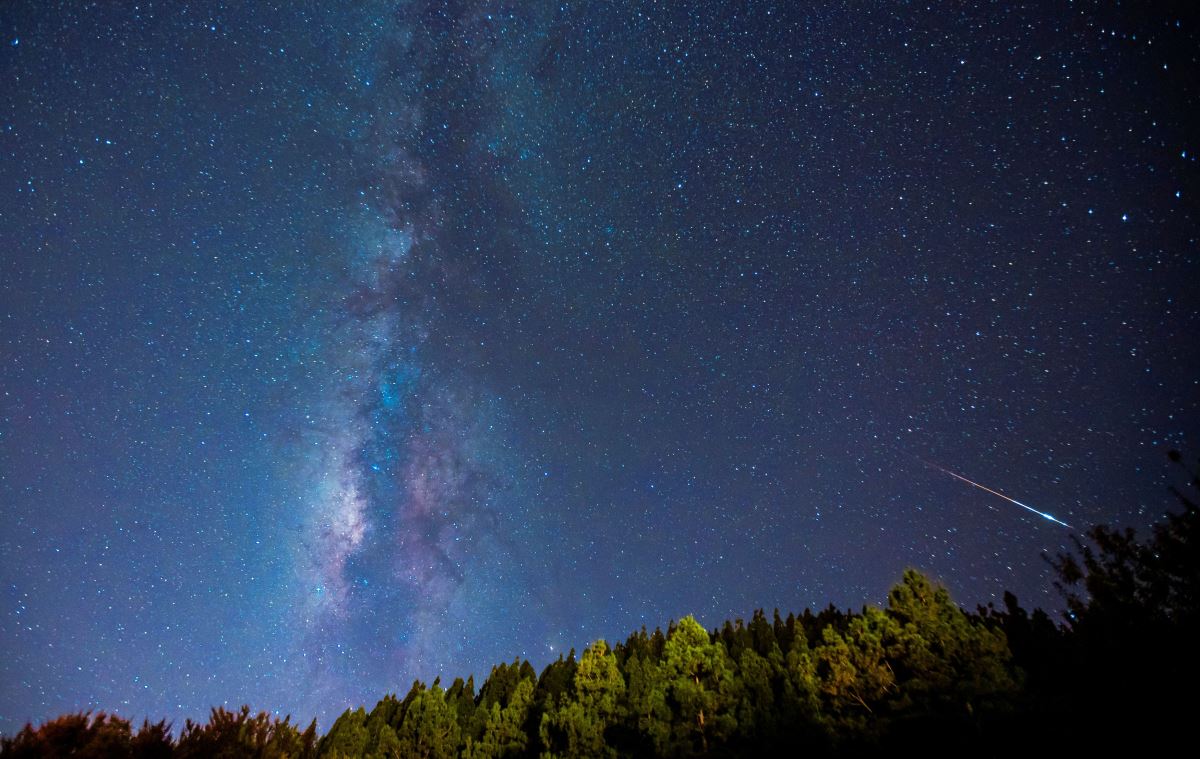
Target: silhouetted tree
<point x="239" y="734"/>
<point x="1133" y="617"/>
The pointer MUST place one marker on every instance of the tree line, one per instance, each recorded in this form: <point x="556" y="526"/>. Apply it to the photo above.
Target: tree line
<point x="920" y="674"/>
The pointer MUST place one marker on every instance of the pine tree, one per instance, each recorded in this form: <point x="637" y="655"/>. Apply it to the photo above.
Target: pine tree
<point x="700" y="684"/>
<point x="576" y="725"/>
<point x="430" y="728"/>
<point x="948" y="661"/>
<point x="347" y="737"/>
<point x="504" y="734"/>
<point x="648" y="720"/>
<point x="853" y="672"/>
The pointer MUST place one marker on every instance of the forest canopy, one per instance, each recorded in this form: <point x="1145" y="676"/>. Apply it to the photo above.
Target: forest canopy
<point x="920" y="673"/>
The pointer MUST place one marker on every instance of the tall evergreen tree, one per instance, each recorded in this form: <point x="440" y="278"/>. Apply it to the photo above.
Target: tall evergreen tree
<point x="504" y="733"/>
<point x="576" y="725"/>
<point x="347" y="737"/>
<point x="947" y="660"/>
<point x="853" y="672"/>
<point x="430" y="728"/>
<point x="700" y="684"/>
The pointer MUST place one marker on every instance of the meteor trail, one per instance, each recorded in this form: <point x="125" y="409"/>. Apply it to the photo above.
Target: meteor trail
<point x="972" y="483"/>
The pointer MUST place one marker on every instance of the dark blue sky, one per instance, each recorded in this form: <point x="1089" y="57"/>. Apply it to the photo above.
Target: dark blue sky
<point x="339" y="348"/>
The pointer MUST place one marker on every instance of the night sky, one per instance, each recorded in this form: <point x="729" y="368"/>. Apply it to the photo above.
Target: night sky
<point x="343" y="347"/>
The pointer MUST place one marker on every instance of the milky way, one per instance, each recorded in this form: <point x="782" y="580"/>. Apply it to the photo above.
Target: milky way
<point x="414" y="525"/>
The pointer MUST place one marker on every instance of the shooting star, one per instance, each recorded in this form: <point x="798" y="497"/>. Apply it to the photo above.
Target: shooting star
<point x="972" y="483"/>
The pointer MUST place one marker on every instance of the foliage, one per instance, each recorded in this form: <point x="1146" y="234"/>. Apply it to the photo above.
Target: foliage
<point x="504" y="727"/>
<point x="238" y="734"/>
<point x="576" y="724"/>
<point x="430" y="729"/>
<point x="1128" y="584"/>
<point x="831" y="682"/>
<point x="84" y="735"/>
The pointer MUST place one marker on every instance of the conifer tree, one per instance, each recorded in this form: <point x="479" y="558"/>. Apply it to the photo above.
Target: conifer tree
<point x="852" y="670"/>
<point x="576" y="725"/>
<point x="347" y="737"/>
<point x="947" y="659"/>
<point x="503" y="733"/>
<point x="648" y="720"/>
<point x="700" y="683"/>
<point x="430" y="728"/>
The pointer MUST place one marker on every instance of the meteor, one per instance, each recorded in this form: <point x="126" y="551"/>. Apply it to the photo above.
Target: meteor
<point x="972" y="483"/>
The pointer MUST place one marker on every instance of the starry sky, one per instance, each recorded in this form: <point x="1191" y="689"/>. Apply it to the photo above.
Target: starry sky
<point x="343" y="346"/>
